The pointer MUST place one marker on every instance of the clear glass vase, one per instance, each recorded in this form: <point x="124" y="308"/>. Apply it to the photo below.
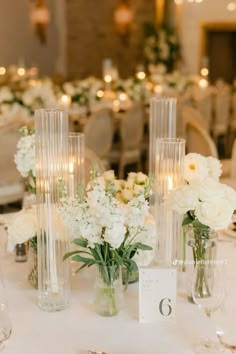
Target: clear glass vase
<point x="201" y="250"/>
<point x="108" y="292"/>
<point x="33" y="267"/>
<point x="52" y="175"/>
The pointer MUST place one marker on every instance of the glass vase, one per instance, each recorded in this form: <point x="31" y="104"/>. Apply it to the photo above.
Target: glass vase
<point x="52" y="170"/>
<point x="33" y="267"/>
<point x="169" y="175"/>
<point x="201" y="250"/>
<point x="129" y="277"/>
<point x="162" y="125"/>
<point x="108" y="290"/>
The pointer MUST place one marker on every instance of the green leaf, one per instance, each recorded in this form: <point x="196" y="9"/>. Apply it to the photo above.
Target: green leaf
<point x="142" y="246"/>
<point x="80" y="242"/>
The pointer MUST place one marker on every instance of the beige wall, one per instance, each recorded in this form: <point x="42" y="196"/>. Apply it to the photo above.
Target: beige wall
<point x="18" y="41"/>
<point x="193" y="15"/>
<point x="91" y="36"/>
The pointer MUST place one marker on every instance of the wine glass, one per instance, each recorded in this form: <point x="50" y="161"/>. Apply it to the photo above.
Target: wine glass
<point x="208" y="293"/>
<point x="226" y="320"/>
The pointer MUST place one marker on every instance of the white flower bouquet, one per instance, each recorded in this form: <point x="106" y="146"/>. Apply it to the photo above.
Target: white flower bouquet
<point x="112" y="228"/>
<point x="111" y="224"/>
<point x="161" y="46"/>
<point x="205" y="202"/>
<point x="207" y="205"/>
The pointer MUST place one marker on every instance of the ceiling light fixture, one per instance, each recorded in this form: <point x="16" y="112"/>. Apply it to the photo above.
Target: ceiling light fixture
<point x="40" y="18"/>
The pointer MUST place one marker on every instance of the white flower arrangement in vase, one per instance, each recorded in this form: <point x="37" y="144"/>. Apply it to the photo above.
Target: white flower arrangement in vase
<point x="112" y="228"/>
<point x="206" y="205"/>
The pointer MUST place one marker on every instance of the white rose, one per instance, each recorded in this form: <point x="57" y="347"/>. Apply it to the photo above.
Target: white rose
<point x="141" y="178"/>
<point x="23" y="227"/>
<point x="230" y="195"/>
<point x="208" y="189"/>
<point x="109" y="176"/>
<point x="195" y="167"/>
<point x="182" y="199"/>
<point x="214" y="168"/>
<point x="215" y="213"/>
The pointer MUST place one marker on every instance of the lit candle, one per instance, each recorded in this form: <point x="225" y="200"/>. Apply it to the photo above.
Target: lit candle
<point x="51" y="259"/>
<point x="65" y="101"/>
<point x="71" y="179"/>
<point x="203" y="83"/>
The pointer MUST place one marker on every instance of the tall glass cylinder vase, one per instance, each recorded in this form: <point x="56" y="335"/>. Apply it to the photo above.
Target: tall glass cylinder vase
<point x="76" y="162"/>
<point x="162" y="124"/>
<point x="169" y="175"/>
<point x="76" y="177"/>
<point x="51" y="152"/>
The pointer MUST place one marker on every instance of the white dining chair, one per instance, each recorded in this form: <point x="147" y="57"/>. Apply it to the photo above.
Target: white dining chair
<point x="11" y="183"/>
<point x="197" y="138"/>
<point x="203" y="103"/>
<point x="98" y="132"/>
<point x="129" y="151"/>
<point x="222" y="112"/>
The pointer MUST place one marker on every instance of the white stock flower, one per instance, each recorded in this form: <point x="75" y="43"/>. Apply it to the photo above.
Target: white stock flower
<point x="182" y="199"/>
<point x="25" y="155"/>
<point x="214" y="168"/>
<point x="115" y="235"/>
<point x="195" y="167"/>
<point x="215" y="213"/>
<point x="22" y="228"/>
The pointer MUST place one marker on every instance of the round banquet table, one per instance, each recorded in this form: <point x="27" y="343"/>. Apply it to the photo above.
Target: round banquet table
<point x="78" y="328"/>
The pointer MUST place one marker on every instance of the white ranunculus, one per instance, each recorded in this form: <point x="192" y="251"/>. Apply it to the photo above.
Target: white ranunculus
<point x="215" y="213"/>
<point x="182" y="199"/>
<point x="208" y="189"/>
<point x="22" y="228"/>
<point x="195" y="167"/>
<point x="214" y="168"/>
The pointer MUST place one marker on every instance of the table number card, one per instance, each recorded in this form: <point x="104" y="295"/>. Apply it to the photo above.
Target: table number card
<point x="157" y="295"/>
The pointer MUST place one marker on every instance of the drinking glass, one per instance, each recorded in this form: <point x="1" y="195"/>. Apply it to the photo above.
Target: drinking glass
<point x="5" y="322"/>
<point x="208" y="293"/>
<point x="226" y="319"/>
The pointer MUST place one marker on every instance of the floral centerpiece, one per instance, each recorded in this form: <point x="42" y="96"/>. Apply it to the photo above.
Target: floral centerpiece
<point x="206" y="205"/>
<point x="161" y="46"/>
<point x="112" y="227"/>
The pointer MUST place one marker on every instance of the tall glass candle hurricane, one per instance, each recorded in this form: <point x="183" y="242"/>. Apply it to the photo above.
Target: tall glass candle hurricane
<point x="51" y="152"/>
<point x="169" y="174"/>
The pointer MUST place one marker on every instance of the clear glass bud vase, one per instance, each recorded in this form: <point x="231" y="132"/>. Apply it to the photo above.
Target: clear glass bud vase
<point x="108" y="292"/>
<point x="201" y="250"/>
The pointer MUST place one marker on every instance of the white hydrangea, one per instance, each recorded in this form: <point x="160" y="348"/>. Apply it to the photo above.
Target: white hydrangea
<point x="25" y="155"/>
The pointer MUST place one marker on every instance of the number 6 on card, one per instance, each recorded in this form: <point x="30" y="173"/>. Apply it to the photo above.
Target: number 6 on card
<point x="157" y="295"/>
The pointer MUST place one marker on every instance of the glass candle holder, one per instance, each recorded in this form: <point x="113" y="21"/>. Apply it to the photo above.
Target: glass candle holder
<point x="162" y="124"/>
<point x="76" y="162"/>
<point x="169" y="175"/>
<point x="51" y="153"/>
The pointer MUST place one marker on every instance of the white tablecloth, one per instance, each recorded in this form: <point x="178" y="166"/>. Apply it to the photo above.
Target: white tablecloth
<point x="79" y="328"/>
